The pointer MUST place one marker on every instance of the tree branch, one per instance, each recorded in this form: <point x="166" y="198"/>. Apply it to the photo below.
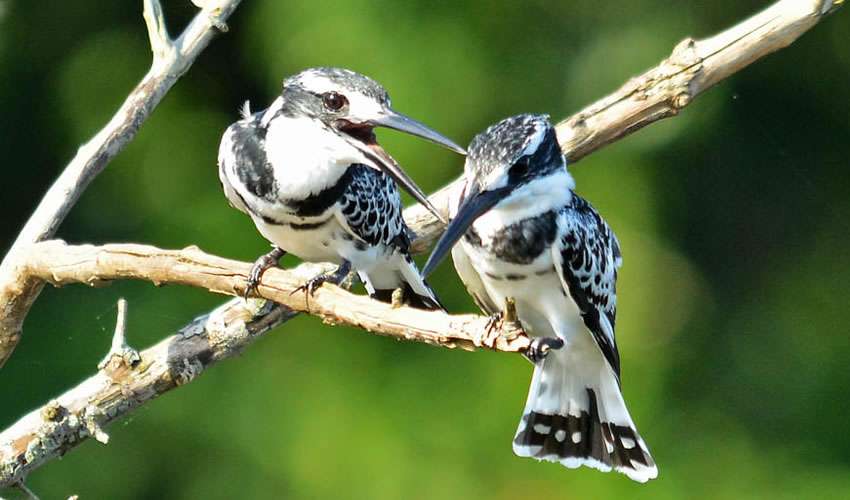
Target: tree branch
<point x="171" y="60"/>
<point x="118" y="389"/>
<point x="127" y="379"/>
<point x="692" y="68"/>
<point x="61" y="264"/>
<point x="663" y="91"/>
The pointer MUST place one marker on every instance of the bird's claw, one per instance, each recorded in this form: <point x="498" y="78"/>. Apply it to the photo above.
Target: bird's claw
<point x="261" y="265"/>
<point x="493" y="322"/>
<point x="253" y="284"/>
<point x="311" y="285"/>
<point x="501" y="322"/>
<point x="492" y="330"/>
<point x="540" y="347"/>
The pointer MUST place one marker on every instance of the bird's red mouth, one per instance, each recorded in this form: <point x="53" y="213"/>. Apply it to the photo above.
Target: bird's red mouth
<point x="367" y="144"/>
<point x="363" y="132"/>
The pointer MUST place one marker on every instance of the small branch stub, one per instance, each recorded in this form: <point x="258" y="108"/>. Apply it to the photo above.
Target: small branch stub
<point x="53" y="411"/>
<point x="397" y="299"/>
<point x="120" y="352"/>
<point x="214" y="11"/>
<point x="510" y="310"/>
<point x="92" y="415"/>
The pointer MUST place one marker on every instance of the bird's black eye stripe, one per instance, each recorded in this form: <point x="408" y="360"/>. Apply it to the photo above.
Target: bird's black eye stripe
<point x="519" y="169"/>
<point x="334" y="101"/>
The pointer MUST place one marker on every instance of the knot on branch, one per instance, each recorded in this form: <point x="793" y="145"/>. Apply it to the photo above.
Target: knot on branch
<point x="91" y="416"/>
<point x="53" y="411"/>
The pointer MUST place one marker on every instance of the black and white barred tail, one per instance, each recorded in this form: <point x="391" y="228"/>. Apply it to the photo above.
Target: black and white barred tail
<point x="401" y="272"/>
<point x="575" y="415"/>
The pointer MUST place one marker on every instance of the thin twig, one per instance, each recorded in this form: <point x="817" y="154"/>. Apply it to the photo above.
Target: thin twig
<point x="160" y="42"/>
<point x="18" y="294"/>
<point x="28" y="492"/>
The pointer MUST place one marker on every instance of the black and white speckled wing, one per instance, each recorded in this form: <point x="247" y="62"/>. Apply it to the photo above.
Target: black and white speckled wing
<point x="371" y="208"/>
<point x="243" y="168"/>
<point x="587" y="256"/>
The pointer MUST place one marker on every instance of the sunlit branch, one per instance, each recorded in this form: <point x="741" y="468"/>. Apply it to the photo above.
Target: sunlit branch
<point x="170" y="61"/>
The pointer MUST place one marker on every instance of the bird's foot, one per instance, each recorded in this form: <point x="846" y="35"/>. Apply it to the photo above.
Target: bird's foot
<point x="261" y="265"/>
<point x="499" y="323"/>
<point x="311" y="285"/>
<point x="491" y="332"/>
<point x="540" y="347"/>
<point x="493" y="322"/>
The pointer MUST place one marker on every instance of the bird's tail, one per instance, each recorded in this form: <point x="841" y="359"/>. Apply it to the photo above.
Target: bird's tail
<point x="575" y="415"/>
<point x="400" y="272"/>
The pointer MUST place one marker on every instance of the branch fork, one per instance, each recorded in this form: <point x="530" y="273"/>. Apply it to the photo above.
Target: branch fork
<point x="161" y="44"/>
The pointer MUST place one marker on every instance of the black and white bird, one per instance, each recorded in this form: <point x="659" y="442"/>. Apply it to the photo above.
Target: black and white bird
<point x="310" y="174"/>
<point x="524" y="234"/>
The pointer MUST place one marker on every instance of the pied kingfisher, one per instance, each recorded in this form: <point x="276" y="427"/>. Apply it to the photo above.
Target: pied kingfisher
<point x="310" y="174"/>
<point x="527" y="236"/>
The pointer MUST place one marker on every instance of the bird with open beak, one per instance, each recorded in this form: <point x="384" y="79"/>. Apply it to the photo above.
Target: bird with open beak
<point x="310" y="173"/>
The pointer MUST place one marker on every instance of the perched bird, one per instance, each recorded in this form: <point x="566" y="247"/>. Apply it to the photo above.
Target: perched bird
<point x="310" y="174"/>
<point x="524" y="234"/>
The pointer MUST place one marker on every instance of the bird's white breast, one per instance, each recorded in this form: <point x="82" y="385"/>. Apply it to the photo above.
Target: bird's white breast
<point x="543" y="304"/>
<point x="306" y="157"/>
<point x="314" y="245"/>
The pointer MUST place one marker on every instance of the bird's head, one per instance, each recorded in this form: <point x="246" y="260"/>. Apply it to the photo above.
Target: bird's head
<point x="502" y="164"/>
<point x="351" y="105"/>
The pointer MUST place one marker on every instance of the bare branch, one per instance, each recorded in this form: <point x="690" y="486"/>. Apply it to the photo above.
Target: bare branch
<point x="120" y="386"/>
<point x="16" y="294"/>
<point x="62" y="264"/>
<point x="663" y="91"/>
<point x="115" y="392"/>
<point x="28" y="492"/>
<point x="693" y="67"/>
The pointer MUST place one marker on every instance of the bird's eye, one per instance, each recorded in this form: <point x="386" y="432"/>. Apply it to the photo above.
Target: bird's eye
<point x="334" y="101"/>
<point x="519" y="169"/>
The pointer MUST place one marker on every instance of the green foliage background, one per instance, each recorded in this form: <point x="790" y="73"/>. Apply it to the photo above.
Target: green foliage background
<point x="733" y="220"/>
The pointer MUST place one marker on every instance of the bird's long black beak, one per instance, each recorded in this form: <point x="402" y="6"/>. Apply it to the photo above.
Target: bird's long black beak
<point x="475" y="204"/>
<point x="362" y="137"/>
<point x="397" y="121"/>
